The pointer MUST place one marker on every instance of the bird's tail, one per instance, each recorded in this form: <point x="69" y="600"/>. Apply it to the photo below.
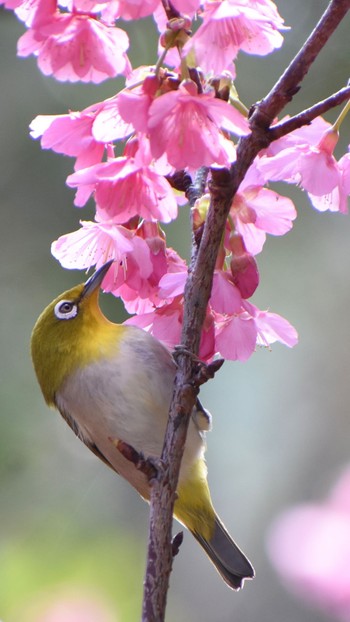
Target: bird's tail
<point x="194" y="509"/>
<point x="227" y="558"/>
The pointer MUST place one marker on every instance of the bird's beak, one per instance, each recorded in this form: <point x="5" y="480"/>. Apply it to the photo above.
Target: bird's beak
<point x="96" y="279"/>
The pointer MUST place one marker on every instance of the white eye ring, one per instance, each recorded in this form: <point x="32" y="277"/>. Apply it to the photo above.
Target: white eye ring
<point x="65" y="310"/>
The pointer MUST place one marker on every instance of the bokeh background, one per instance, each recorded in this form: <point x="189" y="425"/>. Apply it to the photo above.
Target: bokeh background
<point x="72" y="535"/>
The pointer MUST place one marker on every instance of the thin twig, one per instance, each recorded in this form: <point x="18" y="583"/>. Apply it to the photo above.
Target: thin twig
<point x="306" y="116"/>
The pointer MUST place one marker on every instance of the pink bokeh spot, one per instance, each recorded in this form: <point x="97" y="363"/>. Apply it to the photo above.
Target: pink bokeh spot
<point x="76" y="608"/>
<point x="309" y="545"/>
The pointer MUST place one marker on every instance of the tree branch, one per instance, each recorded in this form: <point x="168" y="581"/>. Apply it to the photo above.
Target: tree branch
<point x="223" y="186"/>
<point x="306" y="116"/>
<point x="289" y="83"/>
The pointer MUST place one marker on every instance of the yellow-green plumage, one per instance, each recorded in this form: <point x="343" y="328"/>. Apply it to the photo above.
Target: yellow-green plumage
<point x="59" y="347"/>
<point x="114" y="382"/>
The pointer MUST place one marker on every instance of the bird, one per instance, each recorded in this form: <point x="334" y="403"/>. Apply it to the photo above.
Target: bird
<point x="114" y="382"/>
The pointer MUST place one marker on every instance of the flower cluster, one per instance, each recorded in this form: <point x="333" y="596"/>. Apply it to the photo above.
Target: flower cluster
<point x="309" y="545"/>
<point x="78" y="40"/>
<point x="176" y="116"/>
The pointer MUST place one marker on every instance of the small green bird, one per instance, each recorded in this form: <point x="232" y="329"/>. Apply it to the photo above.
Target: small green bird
<point x="113" y="383"/>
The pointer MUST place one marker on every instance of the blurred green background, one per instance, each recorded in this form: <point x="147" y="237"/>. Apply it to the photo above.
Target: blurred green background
<point x="70" y="529"/>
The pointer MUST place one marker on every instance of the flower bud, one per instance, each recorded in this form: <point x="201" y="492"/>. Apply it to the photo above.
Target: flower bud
<point x="245" y="274"/>
<point x="199" y="211"/>
<point x="177" y="32"/>
<point x="236" y="244"/>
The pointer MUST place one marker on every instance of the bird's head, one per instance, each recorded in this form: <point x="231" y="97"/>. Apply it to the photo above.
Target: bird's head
<point x="69" y="333"/>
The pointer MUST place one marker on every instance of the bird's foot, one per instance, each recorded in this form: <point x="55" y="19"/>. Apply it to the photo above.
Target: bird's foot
<point x="151" y="466"/>
<point x="202" y="372"/>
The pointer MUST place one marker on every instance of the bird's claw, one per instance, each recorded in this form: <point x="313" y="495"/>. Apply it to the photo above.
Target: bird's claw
<point x="202" y="372"/>
<point x="151" y="466"/>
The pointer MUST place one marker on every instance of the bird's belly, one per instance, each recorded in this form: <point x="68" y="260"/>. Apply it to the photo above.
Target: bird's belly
<point x="110" y="401"/>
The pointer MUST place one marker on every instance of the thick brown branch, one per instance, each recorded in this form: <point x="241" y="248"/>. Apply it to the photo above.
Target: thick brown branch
<point x="224" y="185"/>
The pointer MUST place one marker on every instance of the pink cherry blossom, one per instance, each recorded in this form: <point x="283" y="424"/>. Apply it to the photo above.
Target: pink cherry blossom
<point x="140" y="289"/>
<point x="237" y="335"/>
<point x="305" y="135"/>
<point x="12" y="4"/>
<point x="232" y="25"/>
<point x="125" y="187"/>
<point x="128" y="9"/>
<point x="97" y="242"/>
<point x="70" y="134"/>
<point x="320" y="534"/>
<point x="188" y="7"/>
<point x="232" y="333"/>
<point x="313" y="167"/>
<point x="77" y="47"/>
<point x="271" y="327"/>
<point x="172" y="284"/>
<point x="108" y="124"/>
<point x="92" y="245"/>
<point x="32" y="12"/>
<point x="337" y="199"/>
<point x="82" y="134"/>
<point x="225" y="296"/>
<point x="134" y="104"/>
<point x="244" y="269"/>
<point x="256" y="211"/>
<point x="186" y="127"/>
<point x="164" y="323"/>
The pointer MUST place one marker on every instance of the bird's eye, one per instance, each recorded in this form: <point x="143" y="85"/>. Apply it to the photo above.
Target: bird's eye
<point x="66" y="310"/>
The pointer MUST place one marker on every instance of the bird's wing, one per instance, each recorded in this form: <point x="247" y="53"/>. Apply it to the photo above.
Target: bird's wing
<point x="73" y="425"/>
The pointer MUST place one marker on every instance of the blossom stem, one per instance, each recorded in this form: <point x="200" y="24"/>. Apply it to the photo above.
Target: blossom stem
<point x="239" y="105"/>
<point x="161" y="60"/>
<point x="342" y="115"/>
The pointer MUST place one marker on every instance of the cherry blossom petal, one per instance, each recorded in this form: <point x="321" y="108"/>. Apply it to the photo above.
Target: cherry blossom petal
<point x="165" y="324"/>
<point x="69" y="134"/>
<point x="91" y="245"/>
<point x="186" y="126"/>
<point x="108" y="124"/>
<point x="236" y="338"/>
<point x="225" y="296"/>
<point x="319" y="173"/>
<point x="273" y="327"/>
<point x="172" y="284"/>
<point x="254" y="238"/>
<point x="123" y="190"/>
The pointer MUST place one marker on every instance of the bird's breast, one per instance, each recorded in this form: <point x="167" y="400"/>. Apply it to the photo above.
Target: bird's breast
<point x="125" y="397"/>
